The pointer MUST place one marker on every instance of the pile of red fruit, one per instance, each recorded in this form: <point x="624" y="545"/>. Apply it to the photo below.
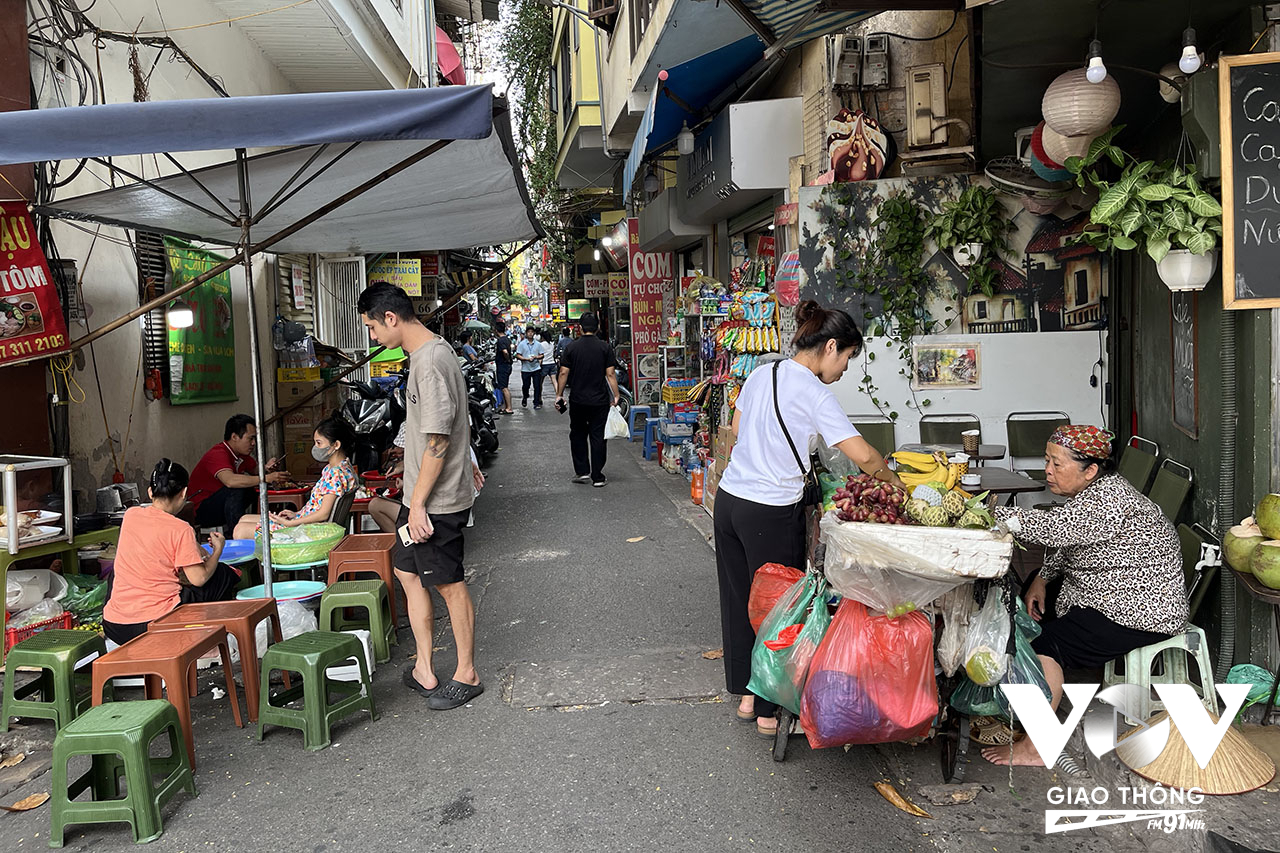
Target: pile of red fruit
<point x="865" y="498"/>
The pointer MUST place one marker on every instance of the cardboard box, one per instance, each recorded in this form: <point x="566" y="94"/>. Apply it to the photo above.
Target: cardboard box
<point x="723" y="446"/>
<point x="303" y="420"/>
<point x="289" y="393"/>
<point x="297" y="374"/>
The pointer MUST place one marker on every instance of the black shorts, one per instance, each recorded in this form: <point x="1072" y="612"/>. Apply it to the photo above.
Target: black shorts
<point x="438" y="561"/>
<point x="502" y="377"/>
<point x="1084" y="638"/>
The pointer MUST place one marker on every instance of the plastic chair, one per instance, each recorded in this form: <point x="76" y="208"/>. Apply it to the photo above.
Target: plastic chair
<point x="366" y="553"/>
<point x="1028" y="434"/>
<point x="946" y="429"/>
<point x="55" y="653"/>
<point x="1201" y="559"/>
<point x="651" y="428"/>
<point x="368" y="595"/>
<point x="1170" y="488"/>
<point x="1137" y="463"/>
<point x="880" y="432"/>
<point x="635" y="431"/>
<point x="118" y="738"/>
<point x="341" y="512"/>
<point x="310" y="655"/>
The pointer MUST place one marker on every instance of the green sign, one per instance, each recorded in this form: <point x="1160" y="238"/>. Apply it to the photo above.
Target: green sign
<point x="202" y="358"/>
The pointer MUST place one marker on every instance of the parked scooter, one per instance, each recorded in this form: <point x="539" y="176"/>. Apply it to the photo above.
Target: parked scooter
<point x="625" y="399"/>
<point x="484" y="427"/>
<point x="375" y="413"/>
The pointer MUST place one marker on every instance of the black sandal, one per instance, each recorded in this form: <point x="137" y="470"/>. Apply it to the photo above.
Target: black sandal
<point x="453" y="694"/>
<point x="416" y="685"/>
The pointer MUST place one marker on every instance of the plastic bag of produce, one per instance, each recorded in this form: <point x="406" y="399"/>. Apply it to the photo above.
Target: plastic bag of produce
<point x="1024" y="668"/>
<point x="45" y="608"/>
<point x="768" y="584"/>
<point x="787" y="641"/>
<point x="955" y="608"/>
<point x="86" y="596"/>
<point x="986" y="648"/>
<point x="307" y="543"/>
<point x="871" y="680"/>
<point x="616" y="425"/>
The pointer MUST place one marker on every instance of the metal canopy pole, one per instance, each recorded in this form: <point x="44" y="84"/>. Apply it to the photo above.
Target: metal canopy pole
<point x="255" y="366"/>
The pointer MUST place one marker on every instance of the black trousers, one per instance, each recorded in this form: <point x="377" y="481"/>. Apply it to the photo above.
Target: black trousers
<point x="748" y="535"/>
<point x="534" y="379"/>
<point x="225" y="507"/>
<point x="586" y="427"/>
<point x="221" y="586"/>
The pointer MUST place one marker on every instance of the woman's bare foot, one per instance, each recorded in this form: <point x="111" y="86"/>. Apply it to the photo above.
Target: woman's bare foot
<point x="766" y="725"/>
<point x="747" y="707"/>
<point x="1022" y="754"/>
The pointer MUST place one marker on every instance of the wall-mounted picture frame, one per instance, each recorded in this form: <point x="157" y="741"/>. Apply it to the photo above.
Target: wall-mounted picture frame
<point x="946" y="366"/>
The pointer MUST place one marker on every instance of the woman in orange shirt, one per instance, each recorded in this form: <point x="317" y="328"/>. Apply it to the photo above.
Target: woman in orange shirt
<point x="158" y="563"/>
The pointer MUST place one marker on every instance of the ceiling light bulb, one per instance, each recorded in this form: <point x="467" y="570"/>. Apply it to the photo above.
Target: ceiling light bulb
<point x="684" y="141"/>
<point x="770" y="226"/>
<point x="1096" y="72"/>
<point x="607" y="241"/>
<point x="1190" y="61"/>
<point x="597" y="254"/>
<point x="180" y="315"/>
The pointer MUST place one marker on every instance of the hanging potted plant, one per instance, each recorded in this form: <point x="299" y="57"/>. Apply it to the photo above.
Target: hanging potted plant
<point x="1158" y="207"/>
<point x="973" y="227"/>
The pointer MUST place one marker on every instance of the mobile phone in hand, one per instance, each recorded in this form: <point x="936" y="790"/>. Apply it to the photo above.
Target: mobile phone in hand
<point x="406" y="538"/>
<point x="561" y="406"/>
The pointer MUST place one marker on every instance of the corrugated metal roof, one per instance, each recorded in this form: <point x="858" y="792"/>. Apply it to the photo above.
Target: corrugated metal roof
<point x="781" y="16"/>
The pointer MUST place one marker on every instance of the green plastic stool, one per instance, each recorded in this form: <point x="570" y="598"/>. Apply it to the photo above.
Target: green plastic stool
<point x="310" y="655"/>
<point x="118" y="736"/>
<point x="373" y="597"/>
<point x="55" y="652"/>
<point x="1173" y="654"/>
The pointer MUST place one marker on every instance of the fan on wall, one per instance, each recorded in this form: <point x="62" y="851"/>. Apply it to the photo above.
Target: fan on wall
<point x="1015" y="177"/>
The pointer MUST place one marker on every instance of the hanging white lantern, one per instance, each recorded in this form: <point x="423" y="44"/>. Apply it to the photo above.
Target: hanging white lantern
<point x="1073" y="106"/>
<point x="1060" y="147"/>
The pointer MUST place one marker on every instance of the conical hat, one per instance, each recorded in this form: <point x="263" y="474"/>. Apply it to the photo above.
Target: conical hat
<point x="1236" y="767"/>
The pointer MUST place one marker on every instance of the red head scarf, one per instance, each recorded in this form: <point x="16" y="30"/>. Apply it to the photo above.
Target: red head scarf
<point x="1086" y="439"/>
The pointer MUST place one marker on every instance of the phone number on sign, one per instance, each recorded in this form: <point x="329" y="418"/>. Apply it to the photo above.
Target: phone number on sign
<point x="32" y="346"/>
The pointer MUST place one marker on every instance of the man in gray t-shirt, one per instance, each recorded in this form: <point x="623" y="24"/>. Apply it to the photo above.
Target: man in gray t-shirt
<point x="439" y="483"/>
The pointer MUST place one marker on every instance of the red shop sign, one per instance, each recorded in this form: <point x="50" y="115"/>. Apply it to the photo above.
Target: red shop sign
<point x="31" y="323"/>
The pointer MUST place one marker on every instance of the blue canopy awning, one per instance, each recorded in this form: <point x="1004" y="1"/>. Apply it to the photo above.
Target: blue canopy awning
<point x="694" y="84"/>
<point x="795" y="22"/>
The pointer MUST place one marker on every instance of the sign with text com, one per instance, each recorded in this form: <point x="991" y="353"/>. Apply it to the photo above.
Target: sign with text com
<point x="1186" y="711"/>
<point x="648" y="272"/>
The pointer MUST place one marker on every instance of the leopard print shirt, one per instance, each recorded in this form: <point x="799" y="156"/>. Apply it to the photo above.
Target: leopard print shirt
<point x="1115" y="552"/>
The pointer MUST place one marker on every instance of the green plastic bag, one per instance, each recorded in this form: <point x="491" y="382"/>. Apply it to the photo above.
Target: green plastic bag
<point x="1258" y="679"/>
<point x="85" y="598"/>
<point x="787" y="641"/>
<point x="1024" y="668"/>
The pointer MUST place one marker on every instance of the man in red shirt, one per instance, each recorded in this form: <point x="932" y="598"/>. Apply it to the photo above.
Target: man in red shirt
<point x="224" y="482"/>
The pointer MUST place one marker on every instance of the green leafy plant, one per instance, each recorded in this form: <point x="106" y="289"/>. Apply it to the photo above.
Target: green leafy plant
<point x="975" y="217"/>
<point x="1153" y="206"/>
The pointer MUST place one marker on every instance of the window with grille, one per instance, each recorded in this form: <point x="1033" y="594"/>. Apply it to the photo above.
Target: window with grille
<point x="153" y="269"/>
<point x="338" y="323"/>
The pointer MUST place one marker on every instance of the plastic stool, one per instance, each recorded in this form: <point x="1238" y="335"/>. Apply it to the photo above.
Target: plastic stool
<point x="372" y="595"/>
<point x="366" y="553"/>
<point x="633" y="431"/>
<point x="55" y="652"/>
<point x="651" y="427"/>
<point x="118" y="736"/>
<point x="310" y="655"/>
<point x="1139" y="662"/>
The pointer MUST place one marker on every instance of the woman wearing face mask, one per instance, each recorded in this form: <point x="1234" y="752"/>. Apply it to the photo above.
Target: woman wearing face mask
<point x="333" y="437"/>
<point x="759" y="514"/>
<point x="158" y="563"/>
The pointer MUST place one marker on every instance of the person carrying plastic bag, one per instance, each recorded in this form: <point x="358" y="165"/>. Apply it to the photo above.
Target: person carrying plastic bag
<point x="871" y="680"/>
<point x="787" y="642"/>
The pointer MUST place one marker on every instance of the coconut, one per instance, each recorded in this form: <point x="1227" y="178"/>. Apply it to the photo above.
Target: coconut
<point x="1268" y="516"/>
<point x="1265" y="563"/>
<point x="1239" y="543"/>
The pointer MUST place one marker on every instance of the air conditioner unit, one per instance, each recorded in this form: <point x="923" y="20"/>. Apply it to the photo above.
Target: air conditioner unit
<point x="927" y="105"/>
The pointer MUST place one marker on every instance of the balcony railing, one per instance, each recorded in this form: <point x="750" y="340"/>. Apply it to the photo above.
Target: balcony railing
<point x="994" y="326"/>
<point x="1082" y="316"/>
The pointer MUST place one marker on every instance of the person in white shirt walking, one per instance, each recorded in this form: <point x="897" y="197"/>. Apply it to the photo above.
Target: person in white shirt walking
<point x="529" y="354"/>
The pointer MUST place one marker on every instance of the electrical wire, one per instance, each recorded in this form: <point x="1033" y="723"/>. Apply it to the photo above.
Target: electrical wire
<point x="223" y="21"/>
<point x="955" y="16"/>
<point x="62" y="368"/>
<point x="951" y="75"/>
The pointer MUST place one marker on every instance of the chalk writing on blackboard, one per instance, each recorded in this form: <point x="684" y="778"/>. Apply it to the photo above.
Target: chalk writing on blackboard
<point x="1183" y="336"/>
<point x="1249" y="114"/>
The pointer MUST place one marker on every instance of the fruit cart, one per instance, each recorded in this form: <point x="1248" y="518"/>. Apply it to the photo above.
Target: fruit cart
<point x="894" y="569"/>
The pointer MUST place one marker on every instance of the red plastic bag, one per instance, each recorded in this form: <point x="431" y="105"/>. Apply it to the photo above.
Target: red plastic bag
<point x="767" y="585"/>
<point x="871" y="680"/>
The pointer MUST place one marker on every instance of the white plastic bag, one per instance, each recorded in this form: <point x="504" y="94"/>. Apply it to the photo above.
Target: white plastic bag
<point x="44" y="609"/>
<point x="956" y="609"/>
<point x="294" y="620"/>
<point x="616" y="426"/>
<point x="986" y="647"/>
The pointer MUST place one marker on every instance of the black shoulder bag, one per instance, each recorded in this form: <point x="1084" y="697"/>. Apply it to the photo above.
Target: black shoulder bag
<point x="812" y="488"/>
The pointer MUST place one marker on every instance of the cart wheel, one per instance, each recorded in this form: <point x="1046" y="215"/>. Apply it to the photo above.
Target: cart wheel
<point x="954" y="741"/>
<point x="785" y="718"/>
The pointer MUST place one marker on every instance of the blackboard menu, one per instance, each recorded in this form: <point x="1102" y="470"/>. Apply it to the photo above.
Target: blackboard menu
<point x="1183" y="335"/>
<point x="1249" y="122"/>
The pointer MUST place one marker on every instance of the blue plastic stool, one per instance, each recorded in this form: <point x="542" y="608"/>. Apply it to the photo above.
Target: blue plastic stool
<point x="651" y="427"/>
<point x="634" y="431"/>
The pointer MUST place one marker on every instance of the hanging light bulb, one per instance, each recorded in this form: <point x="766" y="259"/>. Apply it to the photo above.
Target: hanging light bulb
<point x="1096" y="72"/>
<point x="684" y="141"/>
<point x="180" y="315"/>
<point x="1189" y="63"/>
<point x="607" y="241"/>
<point x="651" y="182"/>
<point x="597" y="254"/>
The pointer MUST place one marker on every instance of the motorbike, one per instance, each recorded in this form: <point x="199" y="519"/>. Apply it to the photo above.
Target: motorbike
<point x="625" y="398"/>
<point x="484" y="428"/>
<point x="376" y="413"/>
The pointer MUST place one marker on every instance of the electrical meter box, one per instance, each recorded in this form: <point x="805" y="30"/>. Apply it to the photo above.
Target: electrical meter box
<point x="848" y="62"/>
<point x="875" y="62"/>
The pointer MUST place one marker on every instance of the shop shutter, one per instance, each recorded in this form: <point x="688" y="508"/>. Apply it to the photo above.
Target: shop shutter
<point x="338" y="323"/>
<point x="306" y="315"/>
<point x="152" y="273"/>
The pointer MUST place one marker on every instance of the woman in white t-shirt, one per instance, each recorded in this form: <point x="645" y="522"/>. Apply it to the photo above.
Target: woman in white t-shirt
<point x="758" y="514"/>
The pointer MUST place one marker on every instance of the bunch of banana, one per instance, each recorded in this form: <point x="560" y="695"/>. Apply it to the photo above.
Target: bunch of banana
<point x="918" y="468"/>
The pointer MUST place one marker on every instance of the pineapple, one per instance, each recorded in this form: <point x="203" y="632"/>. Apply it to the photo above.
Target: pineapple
<point x="953" y="503"/>
<point x="935" y="516"/>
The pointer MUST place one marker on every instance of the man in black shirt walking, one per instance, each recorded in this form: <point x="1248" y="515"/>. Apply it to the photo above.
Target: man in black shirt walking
<point x="589" y="368"/>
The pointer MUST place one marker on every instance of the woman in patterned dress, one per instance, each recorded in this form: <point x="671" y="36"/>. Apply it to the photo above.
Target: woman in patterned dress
<point x="333" y="436"/>
<point x="1116" y="555"/>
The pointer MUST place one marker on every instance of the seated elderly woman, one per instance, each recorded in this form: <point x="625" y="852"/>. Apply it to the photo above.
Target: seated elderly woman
<point x="1117" y="558"/>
